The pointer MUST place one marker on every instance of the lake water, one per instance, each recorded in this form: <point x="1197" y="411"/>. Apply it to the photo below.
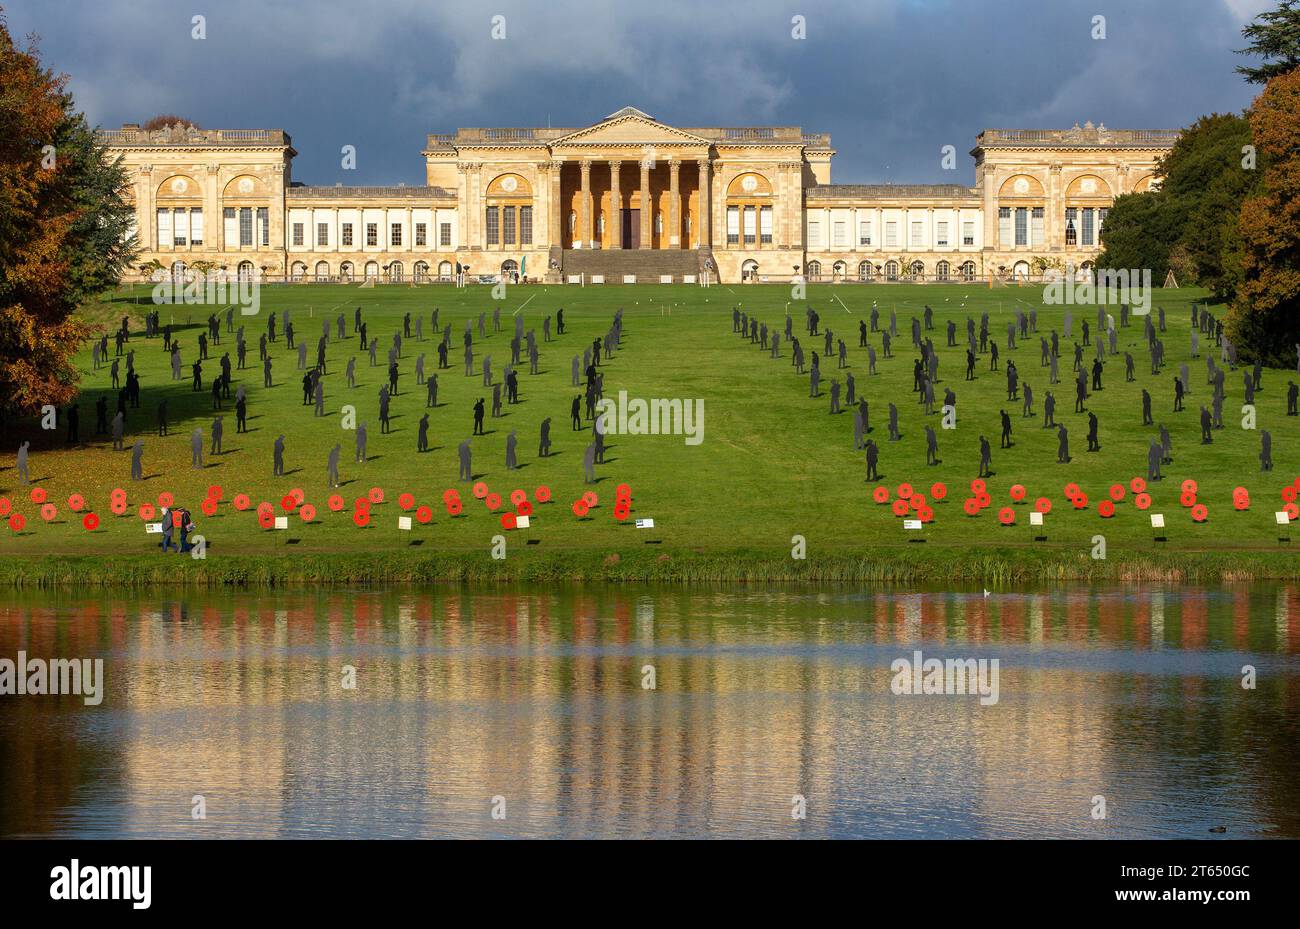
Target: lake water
<point x="518" y="713"/>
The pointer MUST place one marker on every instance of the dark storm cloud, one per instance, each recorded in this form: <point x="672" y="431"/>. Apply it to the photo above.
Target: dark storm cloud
<point x="892" y="81"/>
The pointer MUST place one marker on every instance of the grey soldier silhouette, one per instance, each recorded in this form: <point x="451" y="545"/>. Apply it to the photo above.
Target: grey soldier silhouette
<point x="478" y="417"/>
<point x="196" y="448"/>
<point x="119" y="430"/>
<point x="1292" y="399"/>
<point x="463" y="455"/>
<point x="1094" y="440"/>
<point x="1049" y="411"/>
<point x="351" y="372"/>
<point x="986" y="458"/>
<point x="1265" y="451"/>
<point x="1028" y="409"/>
<point x="931" y="446"/>
<point x="1153" y="462"/>
<point x="1166" y="445"/>
<point x="512" y="460"/>
<point x="320" y="398"/>
<point x="1005" y="441"/>
<point x="544" y="441"/>
<point x="835" y="396"/>
<point x="873" y="458"/>
<point x="278" y="455"/>
<point x="589" y="464"/>
<point x="1063" y="448"/>
<point x="24" y="476"/>
<point x="422" y="441"/>
<point x="894" y="434"/>
<point x="487" y="370"/>
<point x="431" y="391"/>
<point x="360" y="446"/>
<point x="1207" y="424"/>
<point x="137" y="461"/>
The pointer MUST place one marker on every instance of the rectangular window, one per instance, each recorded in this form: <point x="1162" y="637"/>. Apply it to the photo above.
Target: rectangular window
<point x="864" y="233"/>
<point x="421" y="234"/>
<point x="263" y="225"/>
<point x="395" y="234"/>
<point x="347" y="234"/>
<point x="1036" y="227"/>
<point x="751" y="233"/>
<point x="493" y="225"/>
<point x="230" y="226"/>
<point x="814" y="234"/>
<point x="246" y="226"/>
<point x="1101" y="222"/>
<point x="525" y="226"/>
<point x="941" y="236"/>
<point x="765" y="225"/>
<point x="322" y="235"/>
<point x="1022" y="226"/>
<point x="839" y="234"/>
<point x="181" y="227"/>
<point x="968" y="233"/>
<point x="1071" y="226"/>
<point x="297" y="234"/>
<point x="196" y="226"/>
<point x="508" y="225"/>
<point x="372" y="234"/>
<point x="891" y="235"/>
<point x="164" y="228"/>
<point x="444" y="235"/>
<point x="1004" y="226"/>
<point x="1089" y="230"/>
<point x="918" y="235"/>
<point x="733" y="225"/>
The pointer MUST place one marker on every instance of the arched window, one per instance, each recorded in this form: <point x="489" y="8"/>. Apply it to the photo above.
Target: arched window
<point x="444" y="270"/>
<point x="395" y="272"/>
<point x="179" y="274"/>
<point x="917" y="271"/>
<point x="891" y="270"/>
<point x="838" y="270"/>
<point x="866" y="271"/>
<point x="943" y="272"/>
<point x="749" y="270"/>
<point x="509" y="266"/>
<point x="421" y="272"/>
<point x="345" y="272"/>
<point x="968" y="271"/>
<point x="814" y="270"/>
<point x="298" y="271"/>
<point x="1021" y="271"/>
<point x="322" y="271"/>
<point x="372" y="270"/>
<point x="245" y="271"/>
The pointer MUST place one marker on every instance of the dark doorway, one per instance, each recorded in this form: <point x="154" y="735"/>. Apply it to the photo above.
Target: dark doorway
<point x="631" y="228"/>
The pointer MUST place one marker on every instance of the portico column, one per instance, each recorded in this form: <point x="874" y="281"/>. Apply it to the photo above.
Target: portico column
<point x="554" y="225"/>
<point x="615" y="205"/>
<point x="674" y="218"/>
<point x="588" y="238"/>
<point x="646" y="207"/>
<point x="706" y="205"/>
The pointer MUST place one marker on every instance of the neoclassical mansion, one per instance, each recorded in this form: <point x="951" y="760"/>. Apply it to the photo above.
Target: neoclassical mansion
<point x="629" y="199"/>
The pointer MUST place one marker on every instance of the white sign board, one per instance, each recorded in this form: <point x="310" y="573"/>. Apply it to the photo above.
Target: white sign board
<point x="911" y="524"/>
<point x="1035" y="518"/>
<point x="157" y="527"/>
<point x="645" y="523"/>
<point x="1157" y="520"/>
<point x="282" y="522"/>
<point x="1283" y="518"/>
<point x="404" y="523"/>
<point x="521" y="522"/>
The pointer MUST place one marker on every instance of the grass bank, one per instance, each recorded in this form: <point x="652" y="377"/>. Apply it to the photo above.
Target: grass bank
<point x="909" y="566"/>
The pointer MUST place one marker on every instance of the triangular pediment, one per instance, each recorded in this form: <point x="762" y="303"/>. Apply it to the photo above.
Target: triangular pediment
<point x="629" y="126"/>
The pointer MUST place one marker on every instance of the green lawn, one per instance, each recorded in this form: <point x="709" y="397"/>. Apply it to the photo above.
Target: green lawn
<point x="773" y="463"/>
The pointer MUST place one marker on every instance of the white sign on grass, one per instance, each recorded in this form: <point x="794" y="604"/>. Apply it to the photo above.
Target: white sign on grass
<point x="521" y="522"/>
<point x="1283" y="518"/>
<point x="645" y="523"/>
<point x="282" y="522"/>
<point x="911" y="524"/>
<point x="157" y="527"/>
<point x="1157" y="520"/>
<point x="404" y="523"/>
<point x="1035" y="518"/>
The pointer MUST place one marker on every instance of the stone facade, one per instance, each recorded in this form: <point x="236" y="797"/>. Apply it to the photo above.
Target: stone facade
<point x="753" y="203"/>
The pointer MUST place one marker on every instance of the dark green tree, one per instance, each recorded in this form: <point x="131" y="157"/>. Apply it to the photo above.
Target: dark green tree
<point x="1275" y="37"/>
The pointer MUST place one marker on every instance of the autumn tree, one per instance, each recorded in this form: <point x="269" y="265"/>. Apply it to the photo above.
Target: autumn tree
<point x="1265" y="319"/>
<point x="64" y="229"/>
